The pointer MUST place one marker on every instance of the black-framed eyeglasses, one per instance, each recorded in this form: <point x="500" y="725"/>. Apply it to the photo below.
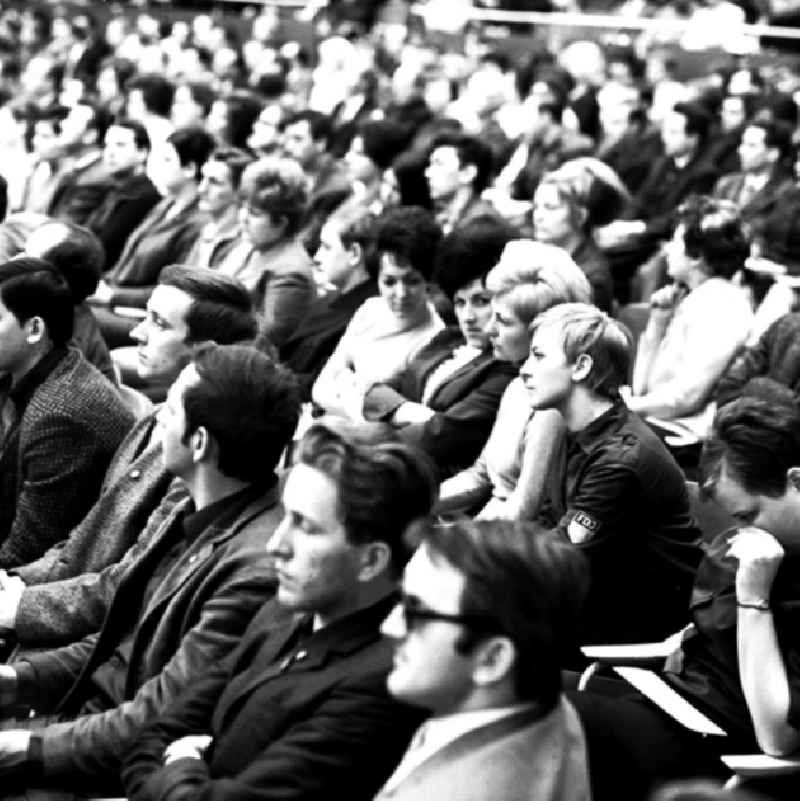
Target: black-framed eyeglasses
<point x="414" y="611"/>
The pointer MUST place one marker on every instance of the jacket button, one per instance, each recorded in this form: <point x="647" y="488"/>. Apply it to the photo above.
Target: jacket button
<point x="135" y="473"/>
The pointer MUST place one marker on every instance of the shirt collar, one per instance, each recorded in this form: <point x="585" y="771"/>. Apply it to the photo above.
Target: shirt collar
<point x="21" y="393"/>
<point x="599" y="427"/>
<point x="224" y="511"/>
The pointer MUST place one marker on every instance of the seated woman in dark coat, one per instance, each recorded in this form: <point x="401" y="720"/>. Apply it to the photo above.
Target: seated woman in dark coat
<point x="446" y="399"/>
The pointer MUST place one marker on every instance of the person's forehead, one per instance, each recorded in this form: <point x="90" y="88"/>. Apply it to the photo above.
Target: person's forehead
<point x="311" y="493"/>
<point x="445" y="154"/>
<point x="118" y="134"/>
<point x="548" y="339"/>
<point x="390" y="267"/>
<point x="218" y="170"/>
<point x="754" y="135"/>
<point x="474" y="287"/>
<point x="330" y="235"/>
<point x="170" y="303"/>
<point x="434" y="580"/>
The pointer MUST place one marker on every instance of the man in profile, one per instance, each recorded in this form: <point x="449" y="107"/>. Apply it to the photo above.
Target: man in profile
<point x="488" y="607"/>
<point x="45" y="603"/>
<point x="301" y="709"/>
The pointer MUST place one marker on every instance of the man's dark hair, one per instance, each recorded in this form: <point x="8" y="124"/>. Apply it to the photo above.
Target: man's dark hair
<point x="235" y="159"/>
<point x="157" y="93"/>
<point x="319" y="124"/>
<point x="469" y="251"/>
<point x="55" y="115"/>
<point x="382" y="485"/>
<point x="412" y="235"/>
<point x="249" y="405"/>
<point x="140" y="136"/>
<point x="360" y="230"/>
<point x="758" y="440"/>
<point x="79" y="257"/>
<point x="193" y="145"/>
<point x="221" y="310"/>
<point x="526" y="583"/>
<point x="698" y="119"/>
<point x="777" y="134"/>
<point x="713" y="232"/>
<point x="202" y="94"/>
<point x="31" y="287"/>
<point x="242" y="109"/>
<point x="470" y="150"/>
<point x="383" y="140"/>
<point x="554" y="109"/>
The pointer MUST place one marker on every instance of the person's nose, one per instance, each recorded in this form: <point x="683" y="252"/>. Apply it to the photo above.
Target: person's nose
<point x="393" y="625"/>
<point x="138" y="334"/>
<point x="278" y="544"/>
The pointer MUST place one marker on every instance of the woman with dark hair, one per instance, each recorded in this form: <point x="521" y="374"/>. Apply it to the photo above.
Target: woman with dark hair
<point x="568" y="204"/>
<point x="446" y="399"/>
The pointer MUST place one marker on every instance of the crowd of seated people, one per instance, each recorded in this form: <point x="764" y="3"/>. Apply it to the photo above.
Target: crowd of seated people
<point x="348" y="390"/>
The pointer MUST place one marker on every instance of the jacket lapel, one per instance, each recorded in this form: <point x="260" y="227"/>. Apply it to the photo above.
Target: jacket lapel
<point x="202" y="549"/>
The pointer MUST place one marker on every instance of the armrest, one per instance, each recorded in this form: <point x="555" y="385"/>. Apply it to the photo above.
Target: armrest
<point x="648" y="654"/>
<point x="758" y="766"/>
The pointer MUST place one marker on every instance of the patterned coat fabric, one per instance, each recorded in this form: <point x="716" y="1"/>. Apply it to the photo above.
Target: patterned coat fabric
<point x="58" y="605"/>
<point x="68" y="433"/>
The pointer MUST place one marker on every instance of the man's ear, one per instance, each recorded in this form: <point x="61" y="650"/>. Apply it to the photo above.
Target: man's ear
<point x="376" y="558"/>
<point x="201" y="443"/>
<point x="495" y="660"/>
<point x="582" y="367"/>
<point x="355" y="252"/>
<point x="793" y="478"/>
<point x="35" y="330"/>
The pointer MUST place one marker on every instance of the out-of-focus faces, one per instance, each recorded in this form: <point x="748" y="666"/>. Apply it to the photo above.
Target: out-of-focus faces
<point x="333" y="262"/>
<point x="185" y="109"/>
<point x="216" y="193"/>
<point x="443" y="173"/>
<point x="732" y="112"/>
<point x="553" y="221"/>
<point x="677" y="142"/>
<point x="120" y="153"/>
<point x="165" y="171"/>
<point x="403" y="288"/>
<point x="266" y="134"/>
<point x="298" y="143"/>
<point x="472" y="305"/>
<point x="754" y="155"/>
<point x="46" y="140"/>
<point x="359" y="164"/>
<point x="260" y="227"/>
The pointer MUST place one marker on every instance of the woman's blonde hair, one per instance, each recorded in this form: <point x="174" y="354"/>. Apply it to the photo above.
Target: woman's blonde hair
<point x="533" y="276"/>
<point x="594" y="193"/>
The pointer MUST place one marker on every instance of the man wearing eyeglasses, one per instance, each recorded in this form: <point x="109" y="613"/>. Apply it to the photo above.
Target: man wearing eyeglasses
<point x="300" y="710"/>
<point x="488" y="609"/>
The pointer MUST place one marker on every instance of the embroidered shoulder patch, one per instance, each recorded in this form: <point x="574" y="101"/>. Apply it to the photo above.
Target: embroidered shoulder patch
<point x="582" y="528"/>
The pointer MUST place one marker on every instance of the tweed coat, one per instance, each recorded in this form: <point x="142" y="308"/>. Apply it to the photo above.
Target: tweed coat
<point x="58" y="605"/>
<point x="194" y="618"/>
<point x="69" y="430"/>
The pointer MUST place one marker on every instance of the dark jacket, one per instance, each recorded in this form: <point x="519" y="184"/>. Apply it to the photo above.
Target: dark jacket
<point x="775" y="357"/>
<point x="52" y="465"/>
<point x="194" y="618"/>
<point x="306" y="350"/>
<point x="598" y="272"/>
<point x="465" y="404"/>
<point x="157" y="242"/>
<point x="117" y="207"/>
<point x="307" y="719"/>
